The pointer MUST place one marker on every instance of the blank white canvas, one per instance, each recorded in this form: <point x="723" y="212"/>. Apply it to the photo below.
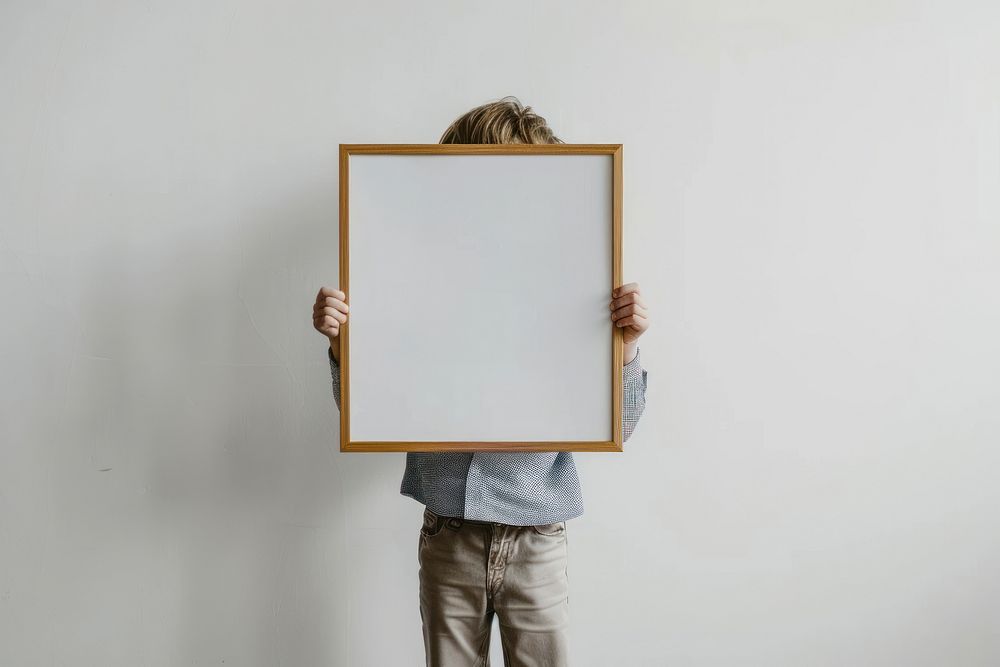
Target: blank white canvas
<point x="479" y="291"/>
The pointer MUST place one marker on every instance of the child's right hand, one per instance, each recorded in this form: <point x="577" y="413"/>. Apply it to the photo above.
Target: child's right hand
<point x="329" y="312"/>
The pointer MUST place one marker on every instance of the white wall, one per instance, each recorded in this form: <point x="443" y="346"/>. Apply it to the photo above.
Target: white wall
<point x="811" y="207"/>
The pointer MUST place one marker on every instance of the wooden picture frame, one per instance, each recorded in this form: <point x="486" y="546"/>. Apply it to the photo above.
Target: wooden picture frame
<point x="600" y="154"/>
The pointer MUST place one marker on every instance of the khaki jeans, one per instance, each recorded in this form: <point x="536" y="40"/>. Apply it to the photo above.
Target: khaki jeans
<point x="471" y="570"/>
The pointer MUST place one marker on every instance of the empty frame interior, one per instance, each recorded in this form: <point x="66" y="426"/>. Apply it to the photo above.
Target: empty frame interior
<point x="478" y="285"/>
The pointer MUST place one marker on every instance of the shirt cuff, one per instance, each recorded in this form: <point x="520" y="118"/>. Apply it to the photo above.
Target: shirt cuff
<point x="633" y="370"/>
<point x="329" y="353"/>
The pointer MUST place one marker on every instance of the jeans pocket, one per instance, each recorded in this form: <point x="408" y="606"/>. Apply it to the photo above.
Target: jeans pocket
<point x="557" y="528"/>
<point x="432" y="524"/>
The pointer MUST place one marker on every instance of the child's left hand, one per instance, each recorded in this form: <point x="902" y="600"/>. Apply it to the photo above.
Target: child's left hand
<point x="628" y="311"/>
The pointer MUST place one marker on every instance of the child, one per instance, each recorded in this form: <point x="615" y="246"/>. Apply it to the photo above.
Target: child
<point x="493" y="539"/>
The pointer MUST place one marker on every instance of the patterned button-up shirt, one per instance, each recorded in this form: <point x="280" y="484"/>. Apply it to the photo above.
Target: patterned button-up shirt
<point x="517" y="488"/>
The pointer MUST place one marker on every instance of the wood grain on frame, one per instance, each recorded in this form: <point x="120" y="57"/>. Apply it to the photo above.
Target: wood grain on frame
<point x="617" y="351"/>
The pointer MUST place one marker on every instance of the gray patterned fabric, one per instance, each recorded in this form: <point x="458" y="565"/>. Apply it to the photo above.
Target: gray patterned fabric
<point x="516" y="488"/>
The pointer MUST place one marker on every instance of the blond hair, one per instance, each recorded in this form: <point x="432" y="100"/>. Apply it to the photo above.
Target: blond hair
<point x="505" y="121"/>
